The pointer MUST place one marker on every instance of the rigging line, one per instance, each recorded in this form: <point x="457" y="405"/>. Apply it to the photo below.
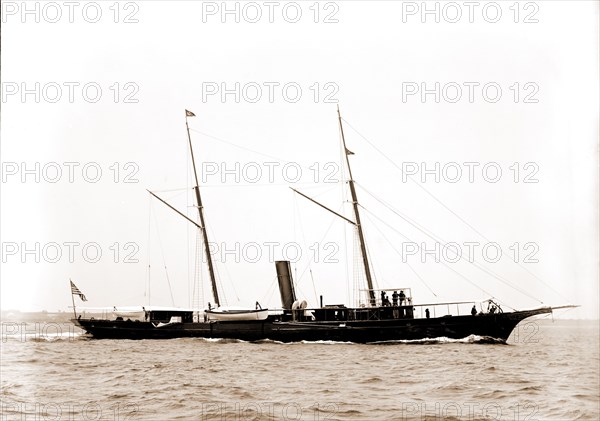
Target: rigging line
<point x="168" y="197"/>
<point x="302" y="294"/>
<point x="445" y="264"/>
<point x="349" y="300"/>
<point x="313" y="284"/>
<point x="400" y="254"/>
<point x="199" y="254"/>
<point x="295" y="215"/>
<point x="182" y="189"/>
<point x="483" y="269"/>
<point x="366" y="248"/>
<point x="306" y="185"/>
<point x="187" y="236"/>
<point x="371" y="259"/>
<point x="313" y="185"/>
<point x="303" y="234"/>
<point x="149" y="236"/>
<point x="286" y="161"/>
<point x="440" y="240"/>
<point x="198" y="288"/>
<point x="270" y="290"/>
<point x="218" y="276"/>
<point x="412" y="179"/>
<point x="444" y="242"/>
<point x="240" y="147"/>
<point x="451" y="211"/>
<point x="164" y="261"/>
<point x="189" y="286"/>
<point x="216" y="270"/>
<point x="349" y="290"/>
<point x="324" y="191"/>
<point x="193" y="299"/>
<point x="327" y="231"/>
<point x="404" y="217"/>
<point x="300" y="227"/>
<point x="324" y="235"/>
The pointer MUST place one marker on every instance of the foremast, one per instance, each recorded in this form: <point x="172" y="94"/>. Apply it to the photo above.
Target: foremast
<point x="361" y="236"/>
<point x="202" y="226"/>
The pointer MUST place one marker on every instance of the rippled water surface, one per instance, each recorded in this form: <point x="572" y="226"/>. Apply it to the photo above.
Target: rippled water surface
<point x="547" y="371"/>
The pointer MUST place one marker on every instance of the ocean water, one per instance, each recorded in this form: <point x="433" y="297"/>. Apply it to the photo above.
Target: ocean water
<point x="548" y="370"/>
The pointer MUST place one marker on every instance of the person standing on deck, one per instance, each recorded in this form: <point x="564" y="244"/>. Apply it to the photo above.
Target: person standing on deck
<point x="402" y="297"/>
<point x="395" y="298"/>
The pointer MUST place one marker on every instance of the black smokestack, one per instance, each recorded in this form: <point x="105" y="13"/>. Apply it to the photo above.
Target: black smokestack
<point x="286" y="285"/>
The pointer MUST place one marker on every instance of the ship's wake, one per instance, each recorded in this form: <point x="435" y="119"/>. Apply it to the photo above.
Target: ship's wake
<point x="471" y="339"/>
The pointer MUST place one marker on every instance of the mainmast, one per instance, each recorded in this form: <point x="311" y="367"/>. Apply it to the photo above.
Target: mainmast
<point x="361" y="237"/>
<point x="202" y="227"/>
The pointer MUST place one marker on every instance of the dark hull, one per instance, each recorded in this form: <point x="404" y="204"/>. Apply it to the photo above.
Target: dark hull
<point x="497" y="326"/>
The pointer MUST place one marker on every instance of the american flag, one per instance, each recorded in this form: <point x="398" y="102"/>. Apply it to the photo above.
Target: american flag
<point x="76" y="291"/>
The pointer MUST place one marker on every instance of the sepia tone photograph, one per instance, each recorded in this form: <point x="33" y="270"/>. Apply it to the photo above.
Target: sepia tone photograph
<point x="300" y="210"/>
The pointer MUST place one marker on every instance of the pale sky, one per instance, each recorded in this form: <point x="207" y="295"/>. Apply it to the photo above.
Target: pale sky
<point x="282" y="75"/>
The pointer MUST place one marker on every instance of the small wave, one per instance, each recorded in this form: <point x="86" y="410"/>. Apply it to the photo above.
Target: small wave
<point x="6" y="389"/>
<point x="303" y="342"/>
<point x="220" y="340"/>
<point x="471" y="339"/>
<point x="323" y="392"/>
<point x="174" y="405"/>
<point x="249" y="413"/>
<point x="321" y="342"/>
<point x="369" y="380"/>
<point x="268" y="341"/>
<point x="450" y="388"/>
<point x="324" y="342"/>
<point x="591" y="398"/>
<point x="345" y="414"/>
<point x="436" y="418"/>
<point x="531" y="389"/>
<point x="489" y="340"/>
<point x="118" y="396"/>
<point x="240" y="393"/>
<point x="493" y="394"/>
